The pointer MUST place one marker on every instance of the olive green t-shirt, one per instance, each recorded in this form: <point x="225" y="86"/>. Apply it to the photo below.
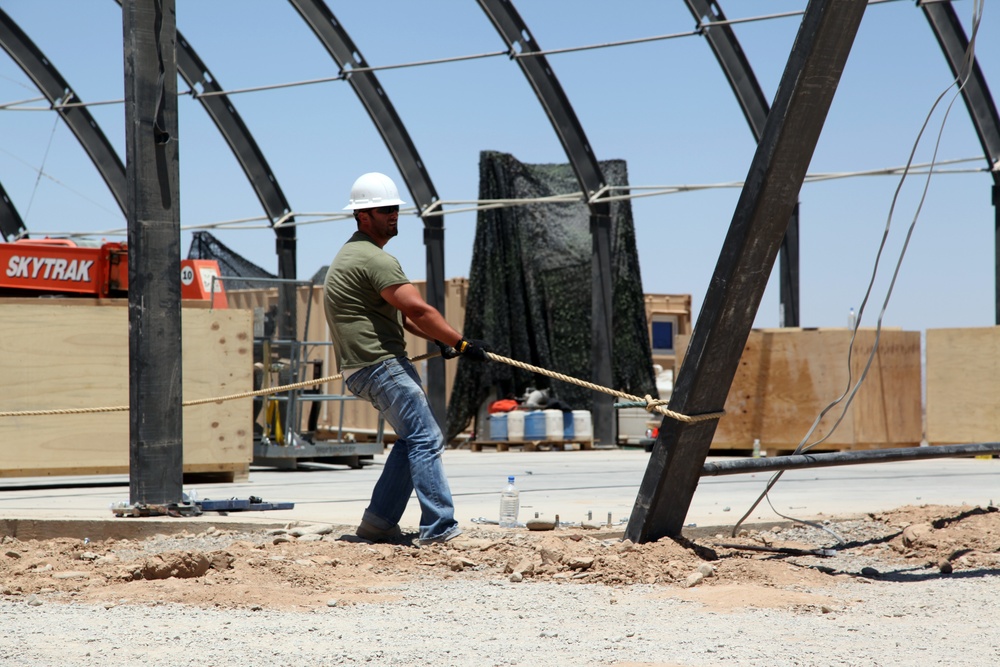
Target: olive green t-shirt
<point x="366" y="328"/>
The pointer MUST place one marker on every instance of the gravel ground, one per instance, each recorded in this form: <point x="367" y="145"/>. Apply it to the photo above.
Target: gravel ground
<point x="913" y="587"/>
<point x="497" y="623"/>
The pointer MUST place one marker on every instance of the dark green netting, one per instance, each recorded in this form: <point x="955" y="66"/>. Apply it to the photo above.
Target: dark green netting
<point x="231" y="264"/>
<point x="530" y="291"/>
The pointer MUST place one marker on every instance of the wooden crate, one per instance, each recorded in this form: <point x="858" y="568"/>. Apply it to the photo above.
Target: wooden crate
<point x="963" y="385"/>
<point x="675" y="308"/>
<point x="786" y="377"/>
<point x="74" y="354"/>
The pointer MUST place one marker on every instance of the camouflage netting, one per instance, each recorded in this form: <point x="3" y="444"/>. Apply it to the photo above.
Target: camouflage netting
<point x="231" y="264"/>
<point x="530" y="291"/>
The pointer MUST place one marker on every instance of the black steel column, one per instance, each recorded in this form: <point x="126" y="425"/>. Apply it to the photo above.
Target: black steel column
<point x="996" y="251"/>
<point x="788" y="265"/>
<point x="765" y="206"/>
<point x="434" y="243"/>
<point x="155" y="391"/>
<point x="285" y="247"/>
<point x="553" y="99"/>
<point x="601" y="329"/>
<point x="366" y="86"/>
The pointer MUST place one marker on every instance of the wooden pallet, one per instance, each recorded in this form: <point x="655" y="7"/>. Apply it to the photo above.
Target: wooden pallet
<point x="532" y="445"/>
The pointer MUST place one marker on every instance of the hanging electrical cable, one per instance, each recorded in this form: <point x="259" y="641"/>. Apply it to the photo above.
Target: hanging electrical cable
<point x="851" y="390"/>
<point x="41" y="169"/>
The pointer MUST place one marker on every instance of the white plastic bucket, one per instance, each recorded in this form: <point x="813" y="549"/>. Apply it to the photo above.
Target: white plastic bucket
<point x="553" y="425"/>
<point x="583" y="427"/>
<point x="515" y="425"/>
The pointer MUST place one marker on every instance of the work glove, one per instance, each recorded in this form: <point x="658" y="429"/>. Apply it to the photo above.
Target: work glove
<point x="447" y="351"/>
<point x="473" y="349"/>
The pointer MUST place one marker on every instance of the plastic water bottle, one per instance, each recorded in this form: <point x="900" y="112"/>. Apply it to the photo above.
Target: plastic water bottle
<point x="756" y="448"/>
<point x="510" y="502"/>
<point x="852" y="320"/>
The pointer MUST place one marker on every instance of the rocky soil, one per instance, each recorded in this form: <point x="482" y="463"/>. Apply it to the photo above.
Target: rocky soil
<point x="860" y="590"/>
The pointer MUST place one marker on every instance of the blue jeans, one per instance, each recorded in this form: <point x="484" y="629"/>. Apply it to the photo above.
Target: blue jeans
<point x="414" y="462"/>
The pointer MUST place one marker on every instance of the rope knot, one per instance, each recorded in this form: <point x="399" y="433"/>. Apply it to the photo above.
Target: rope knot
<point x="653" y="403"/>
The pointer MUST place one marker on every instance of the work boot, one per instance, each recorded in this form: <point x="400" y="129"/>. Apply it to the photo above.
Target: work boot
<point x="367" y="531"/>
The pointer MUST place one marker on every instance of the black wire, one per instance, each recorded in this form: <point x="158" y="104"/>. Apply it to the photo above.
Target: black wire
<point x="850" y="392"/>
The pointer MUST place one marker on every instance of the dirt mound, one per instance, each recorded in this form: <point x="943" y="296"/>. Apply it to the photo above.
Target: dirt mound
<point x="306" y="567"/>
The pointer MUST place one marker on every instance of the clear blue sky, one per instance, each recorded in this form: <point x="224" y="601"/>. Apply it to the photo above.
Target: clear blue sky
<point x="664" y="107"/>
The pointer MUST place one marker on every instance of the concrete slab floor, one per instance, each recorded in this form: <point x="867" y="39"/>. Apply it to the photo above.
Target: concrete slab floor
<point x="574" y="485"/>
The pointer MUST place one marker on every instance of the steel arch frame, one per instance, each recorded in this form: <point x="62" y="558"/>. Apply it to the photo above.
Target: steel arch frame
<point x="97" y="146"/>
<point x="525" y="50"/>
<point x="230" y="124"/>
<point x="743" y="81"/>
<point x="334" y="37"/>
<point x="953" y="41"/>
<point x="50" y="82"/>
<point x="941" y="16"/>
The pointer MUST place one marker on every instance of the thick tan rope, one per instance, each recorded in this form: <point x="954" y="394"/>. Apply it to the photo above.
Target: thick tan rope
<point x="652" y="404"/>
<point x="200" y="401"/>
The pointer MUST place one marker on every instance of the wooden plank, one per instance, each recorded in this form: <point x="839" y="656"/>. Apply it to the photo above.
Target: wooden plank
<point x="231" y="472"/>
<point x="786" y="377"/>
<point x="65" y="356"/>
<point x="807" y="370"/>
<point x="963" y="385"/>
<point x="888" y="407"/>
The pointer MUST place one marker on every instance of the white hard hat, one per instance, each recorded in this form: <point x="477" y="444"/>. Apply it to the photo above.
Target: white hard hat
<point x="371" y="190"/>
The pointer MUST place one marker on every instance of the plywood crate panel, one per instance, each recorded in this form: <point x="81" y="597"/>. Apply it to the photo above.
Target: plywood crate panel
<point x="786" y="377"/>
<point x="963" y="385"/>
<point x="76" y="356"/>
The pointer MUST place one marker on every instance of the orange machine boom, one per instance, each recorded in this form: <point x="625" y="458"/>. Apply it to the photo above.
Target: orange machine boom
<point x="60" y="266"/>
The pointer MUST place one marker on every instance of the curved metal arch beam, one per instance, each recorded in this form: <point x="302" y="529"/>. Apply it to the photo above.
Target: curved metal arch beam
<point x="518" y="39"/>
<point x="516" y="35"/>
<point x="338" y="43"/>
<point x="368" y="89"/>
<point x="734" y="63"/>
<point x="749" y="94"/>
<point x="55" y="88"/>
<point x="229" y="123"/>
<point x="195" y="73"/>
<point x="11" y="224"/>
<point x="240" y="140"/>
<point x="951" y="36"/>
<point x="31" y="59"/>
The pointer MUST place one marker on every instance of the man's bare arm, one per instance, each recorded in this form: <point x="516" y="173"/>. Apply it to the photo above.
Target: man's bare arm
<point x="420" y="318"/>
